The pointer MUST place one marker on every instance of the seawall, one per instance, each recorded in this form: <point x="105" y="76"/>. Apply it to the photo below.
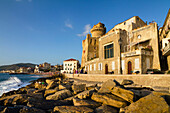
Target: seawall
<point x="160" y="80"/>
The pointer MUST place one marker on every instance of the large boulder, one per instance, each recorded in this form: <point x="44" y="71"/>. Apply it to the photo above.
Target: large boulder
<point x="83" y="95"/>
<point x="108" y="85"/>
<point x="31" y="110"/>
<point x="127" y="82"/>
<point x="52" y="85"/>
<point x="59" y="95"/>
<point x="87" y="103"/>
<point x="123" y="93"/>
<point x="149" y="104"/>
<point x="109" y="99"/>
<point x="106" y="109"/>
<point x="49" y="92"/>
<point x="30" y="90"/>
<point x="78" y="88"/>
<point x="39" y="85"/>
<point x="64" y="86"/>
<point x="72" y="109"/>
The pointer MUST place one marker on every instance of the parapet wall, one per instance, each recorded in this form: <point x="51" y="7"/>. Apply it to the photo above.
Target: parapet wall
<point x="144" y="80"/>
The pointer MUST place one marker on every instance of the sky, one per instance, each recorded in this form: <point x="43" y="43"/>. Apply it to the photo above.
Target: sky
<point x="37" y="31"/>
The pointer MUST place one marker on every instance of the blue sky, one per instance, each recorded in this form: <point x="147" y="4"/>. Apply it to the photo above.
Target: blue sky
<point x="36" y="31"/>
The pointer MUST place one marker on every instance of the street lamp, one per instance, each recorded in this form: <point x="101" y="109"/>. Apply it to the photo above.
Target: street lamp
<point x="120" y="44"/>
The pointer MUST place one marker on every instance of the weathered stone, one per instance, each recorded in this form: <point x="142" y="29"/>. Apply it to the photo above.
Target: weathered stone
<point x="106" y="109"/>
<point x="78" y="88"/>
<point x="31" y="110"/>
<point x="14" y="99"/>
<point x="160" y="89"/>
<point x="59" y="95"/>
<point x="107" y="86"/>
<point x="83" y="95"/>
<point x="39" y="86"/>
<point x="72" y="109"/>
<point x="52" y="85"/>
<point x="11" y="110"/>
<point x="39" y="91"/>
<point x="166" y="96"/>
<point x="31" y="90"/>
<point x="123" y="93"/>
<point x="87" y="103"/>
<point x="127" y="82"/>
<point x="49" y="92"/>
<point x="149" y="104"/>
<point x="48" y="81"/>
<point x="140" y="93"/>
<point x="64" y="86"/>
<point x="109" y="99"/>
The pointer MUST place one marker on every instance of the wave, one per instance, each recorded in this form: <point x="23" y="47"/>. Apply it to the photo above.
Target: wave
<point x="13" y="83"/>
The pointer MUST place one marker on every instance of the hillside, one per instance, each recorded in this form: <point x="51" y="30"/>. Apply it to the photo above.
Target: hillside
<point x="16" y="66"/>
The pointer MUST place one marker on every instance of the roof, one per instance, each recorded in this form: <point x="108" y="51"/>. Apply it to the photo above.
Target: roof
<point x="71" y="59"/>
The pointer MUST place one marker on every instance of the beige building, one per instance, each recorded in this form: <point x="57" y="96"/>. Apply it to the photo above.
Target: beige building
<point x="139" y="48"/>
<point x="70" y="65"/>
<point x="23" y="70"/>
<point x="165" y="43"/>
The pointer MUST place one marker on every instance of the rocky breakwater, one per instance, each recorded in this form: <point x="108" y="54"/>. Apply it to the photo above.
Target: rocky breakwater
<point x="59" y="95"/>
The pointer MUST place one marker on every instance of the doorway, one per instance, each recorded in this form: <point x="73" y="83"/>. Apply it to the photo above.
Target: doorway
<point x="129" y="67"/>
<point x="106" y="69"/>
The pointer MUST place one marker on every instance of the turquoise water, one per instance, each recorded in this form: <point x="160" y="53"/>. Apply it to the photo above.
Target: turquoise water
<point x="14" y="82"/>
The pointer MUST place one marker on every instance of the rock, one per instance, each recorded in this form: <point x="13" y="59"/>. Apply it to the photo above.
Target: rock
<point x="59" y="95"/>
<point x="166" y="96"/>
<point x="108" y="85"/>
<point x="149" y="104"/>
<point x="11" y="110"/>
<point x="87" y="103"/>
<point x="39" y="86"/>
<point x="14" y="99"/>
<point x="123" y="93"/>
<point x="133" y="86"/>
<point x="31" y="90"/>
<point x="52" y="85"/>
<point x="39" y="91"/>
<point x="48" y="81"/>
<point x="140" y="93"/>
<point x="78" y="88"/>
<point x="127" y="82"/>
<point x="106" y="109"/>
<point x="49" y="92"/>
<point x="160" y="89"/>
<point x="83" y="95"/>
<point x="72" y="109"/>
<point x="109" y="99"/>
<point x="64" y="86"/>
<point x="31" y="110"/>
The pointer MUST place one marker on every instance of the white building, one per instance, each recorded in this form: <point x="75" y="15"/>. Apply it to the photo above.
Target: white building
<point x="70" y="65"/>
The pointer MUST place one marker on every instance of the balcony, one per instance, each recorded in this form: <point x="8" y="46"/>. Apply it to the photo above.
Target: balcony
<point x="166" y="50"/>
<point x="137" y="53"/>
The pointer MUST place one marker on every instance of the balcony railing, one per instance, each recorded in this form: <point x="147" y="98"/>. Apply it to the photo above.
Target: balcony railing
<point x="166" y="50"/>
<point x="137" y="52"/>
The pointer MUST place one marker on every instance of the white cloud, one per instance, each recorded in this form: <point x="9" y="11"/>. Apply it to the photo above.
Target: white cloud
<point x="68" y="24"/>
<point x="86" y="30"/>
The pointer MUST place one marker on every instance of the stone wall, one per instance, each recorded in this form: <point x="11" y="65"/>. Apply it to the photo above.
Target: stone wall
<point x="144" y="80"/>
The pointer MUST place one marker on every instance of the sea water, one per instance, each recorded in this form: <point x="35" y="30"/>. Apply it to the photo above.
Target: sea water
<point x="14" y="82"/>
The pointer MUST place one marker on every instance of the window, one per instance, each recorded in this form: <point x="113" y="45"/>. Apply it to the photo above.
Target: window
<point x="108" y="51"/>
<point x="94" y="67"/>
<point x="113" y="65"/>
<point x="139" y="36"/>
<point x="90" y="41"/>
<point x="65" y="68"/>
<point x="90" y="67"/>
<point x="100" y="66"/>
<point x="65" y="64"/>
<point x="95" y="42"/>
<point x="70" y="64"/>
<point x="124" y="23"/>
<point x="70" y="68"/>
<point x="137" y="63"/>
<point x="147" y="63"/>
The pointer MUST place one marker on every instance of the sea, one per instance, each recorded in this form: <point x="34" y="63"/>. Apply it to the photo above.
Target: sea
<point x="14" y="82"/>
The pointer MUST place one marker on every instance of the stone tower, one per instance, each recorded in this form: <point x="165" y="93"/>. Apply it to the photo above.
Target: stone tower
<point x="91" y="43"/>
<point x="98" y="30"/>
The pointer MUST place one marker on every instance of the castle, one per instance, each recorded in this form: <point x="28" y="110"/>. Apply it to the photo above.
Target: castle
<point x="130" y="46"/>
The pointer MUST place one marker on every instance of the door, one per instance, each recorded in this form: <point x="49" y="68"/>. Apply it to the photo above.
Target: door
<point x="106" y="69"/>
<point x="129" y="67"/>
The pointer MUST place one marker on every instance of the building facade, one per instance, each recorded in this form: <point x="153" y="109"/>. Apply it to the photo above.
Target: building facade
<point x="70" y="65"/>
<point x="130" y="46"/>
<point x="165" y="43"/>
